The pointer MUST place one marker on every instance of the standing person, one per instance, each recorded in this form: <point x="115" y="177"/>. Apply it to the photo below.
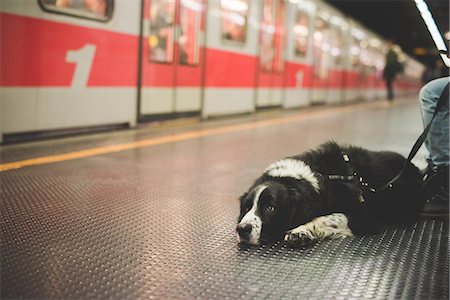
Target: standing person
<point x="391" y="69"/>
<point x="436" y="180"/>
<point x="428" y="74"/>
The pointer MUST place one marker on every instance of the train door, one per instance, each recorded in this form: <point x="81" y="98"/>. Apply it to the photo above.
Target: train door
<point x="371" y="75"/>
<point x="270" y="77"/>
<point x="321" y="60"/>
<point x="355" y="74"/>
<point x="172" y="57"/>
<point x="379" y="64"/>
<point x="299" y="54"/>
<point x="231" y="61"/>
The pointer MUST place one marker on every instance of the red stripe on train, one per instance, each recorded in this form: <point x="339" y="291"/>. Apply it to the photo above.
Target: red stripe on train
<point x="34" y="54"/>
<point x="229" y="69"/>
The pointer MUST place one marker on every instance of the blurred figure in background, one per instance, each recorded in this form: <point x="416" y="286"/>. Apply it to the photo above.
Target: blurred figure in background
<point x="391" y="69"/>
<point x="437" y="70"/>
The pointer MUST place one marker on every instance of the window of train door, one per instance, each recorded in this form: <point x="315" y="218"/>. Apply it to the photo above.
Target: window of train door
<point x="337" y="77"/>
<point x="280" y="37"/>
<point x="234" y="15"/>
<point x="321" y="59"/>
<point x="278" y="59"/>
<point x="356" y="64"/>
<point x="266" y="54"/>
<point x="160" y="41"/>
<point x="188" y="41"/>
<point x="301" y="32"/>
<point x="267" y="36"/>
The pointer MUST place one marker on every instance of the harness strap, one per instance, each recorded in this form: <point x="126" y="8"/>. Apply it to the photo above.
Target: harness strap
<point x="354" y="178"/>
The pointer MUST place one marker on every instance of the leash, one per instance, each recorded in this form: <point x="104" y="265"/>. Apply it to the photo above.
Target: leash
<point x="444" y="97"/>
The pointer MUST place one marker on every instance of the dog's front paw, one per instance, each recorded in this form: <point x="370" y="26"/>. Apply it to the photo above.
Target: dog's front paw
<point x="299" y="237"/>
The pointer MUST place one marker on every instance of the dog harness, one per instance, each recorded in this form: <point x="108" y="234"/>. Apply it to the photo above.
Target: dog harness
<point x="355" y="178"/>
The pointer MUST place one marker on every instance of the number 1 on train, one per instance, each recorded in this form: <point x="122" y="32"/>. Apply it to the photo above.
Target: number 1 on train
<point x="83" y="59"/>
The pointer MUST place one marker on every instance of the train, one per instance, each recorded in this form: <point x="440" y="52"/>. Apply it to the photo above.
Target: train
<point x="77" y="65"/>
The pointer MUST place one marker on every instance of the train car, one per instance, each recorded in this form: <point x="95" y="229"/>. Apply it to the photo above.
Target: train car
<point x="76" y="65"/>
<point x="67" y="65"/>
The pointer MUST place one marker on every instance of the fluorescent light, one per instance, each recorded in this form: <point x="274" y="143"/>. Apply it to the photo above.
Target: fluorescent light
<point x="432" y="28"/>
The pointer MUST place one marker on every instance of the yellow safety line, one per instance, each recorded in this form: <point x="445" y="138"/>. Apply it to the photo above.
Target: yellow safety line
<point x="176" y="138"/>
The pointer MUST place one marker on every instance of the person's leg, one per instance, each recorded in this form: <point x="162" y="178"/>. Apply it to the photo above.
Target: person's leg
<point x="390" y="89"/>
<point x="437" y="144"/>
<point x="437" y="141"/>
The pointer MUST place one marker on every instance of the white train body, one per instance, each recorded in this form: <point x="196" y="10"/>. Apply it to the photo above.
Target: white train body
<point x="76" y="64"/>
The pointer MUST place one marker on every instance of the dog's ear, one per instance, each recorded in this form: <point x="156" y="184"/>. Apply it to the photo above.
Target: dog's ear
<point x="304" y="206"/>
<point x="297" y="214"/>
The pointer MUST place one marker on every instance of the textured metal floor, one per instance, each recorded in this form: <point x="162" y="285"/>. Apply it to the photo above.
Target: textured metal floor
<point x="158" y="222"/>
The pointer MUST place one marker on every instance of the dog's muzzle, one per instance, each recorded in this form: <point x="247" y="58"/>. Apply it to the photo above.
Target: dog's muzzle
<point x="246" y="234"/>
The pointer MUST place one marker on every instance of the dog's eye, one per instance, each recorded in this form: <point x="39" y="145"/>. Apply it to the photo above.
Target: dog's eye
<point x="270" y="208"/>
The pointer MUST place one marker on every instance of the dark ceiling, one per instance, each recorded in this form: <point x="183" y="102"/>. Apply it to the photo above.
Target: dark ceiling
<point x="400" y="21"/>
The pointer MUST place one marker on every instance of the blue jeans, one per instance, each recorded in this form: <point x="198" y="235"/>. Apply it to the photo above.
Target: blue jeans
<point x="437" y="141"/>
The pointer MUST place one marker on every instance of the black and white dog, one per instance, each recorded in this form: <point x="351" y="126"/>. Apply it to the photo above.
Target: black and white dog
<point x="327" y="193"/>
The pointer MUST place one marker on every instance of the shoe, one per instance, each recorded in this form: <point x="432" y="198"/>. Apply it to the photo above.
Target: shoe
<point x="435" y="177"/>
<point x="436" y="205"/>
<point x="436" y="184"/>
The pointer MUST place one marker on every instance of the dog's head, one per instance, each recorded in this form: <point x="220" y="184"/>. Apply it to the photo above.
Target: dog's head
<point x="271" y="208"/>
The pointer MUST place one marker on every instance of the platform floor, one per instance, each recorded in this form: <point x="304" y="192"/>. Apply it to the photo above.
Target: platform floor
<point x="87" y="217"/>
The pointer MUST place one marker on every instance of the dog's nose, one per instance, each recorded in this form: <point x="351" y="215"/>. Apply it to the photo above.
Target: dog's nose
<point x="244" y="230"/>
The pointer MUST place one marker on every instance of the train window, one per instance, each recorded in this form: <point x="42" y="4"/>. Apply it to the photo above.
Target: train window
<point x="99" y="10"/>
<point x="301" y="33"/>
<point x="365" y="53"/>
<point x="355" y="48"/>
<point x="355" y="52"/>
<point x="321" y="48"/>
<point x="190" y="14"/>
<point x="337" y="37"/>
<point x="234" y="20"/>
<point x="267" y="36"/>
<point x="161" y="39"/>
<point x="280" y="36"/>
